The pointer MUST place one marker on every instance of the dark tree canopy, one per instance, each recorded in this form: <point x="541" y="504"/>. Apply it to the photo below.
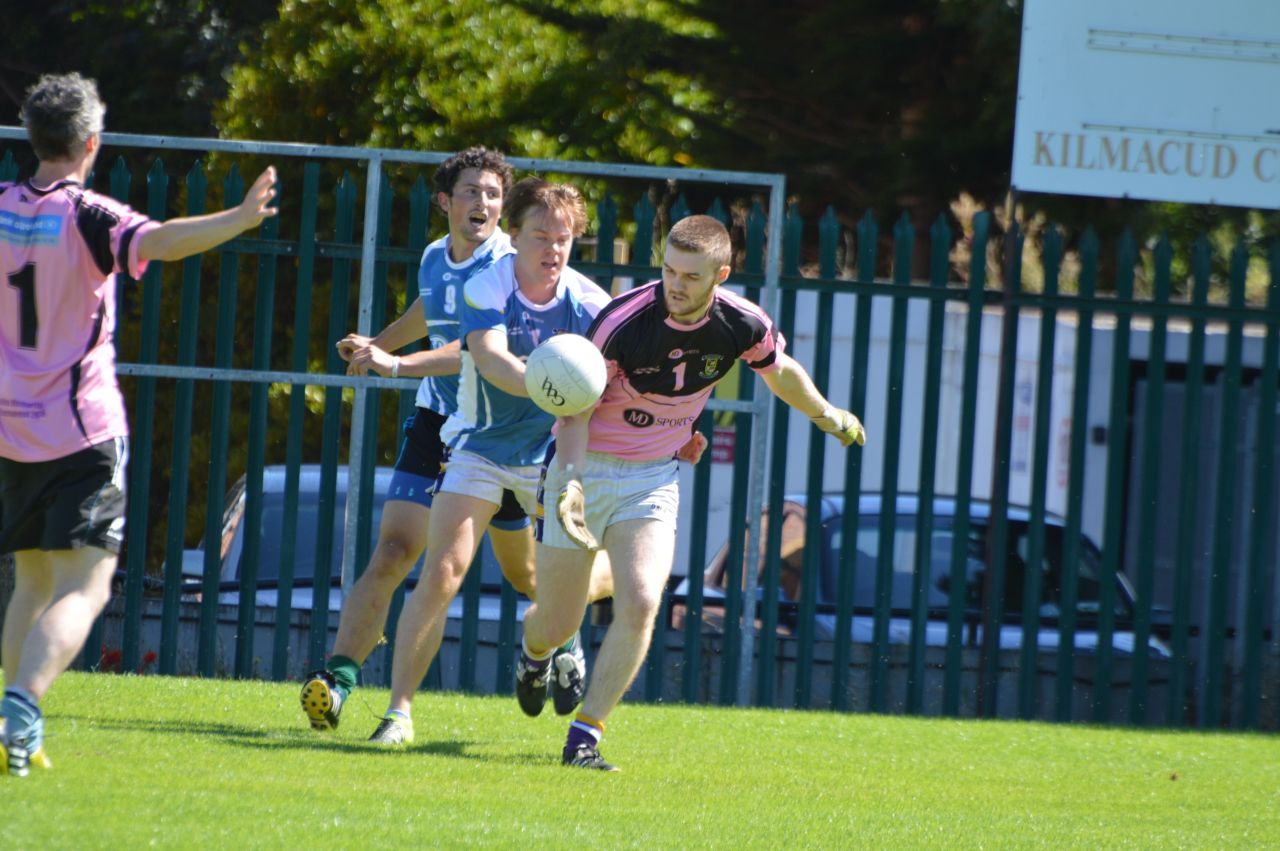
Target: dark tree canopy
<point x="862" y="103"/>
<point x="159" y="64"/>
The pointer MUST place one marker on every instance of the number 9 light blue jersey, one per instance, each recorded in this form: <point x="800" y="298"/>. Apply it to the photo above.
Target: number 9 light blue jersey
<point x="440" y="284"/>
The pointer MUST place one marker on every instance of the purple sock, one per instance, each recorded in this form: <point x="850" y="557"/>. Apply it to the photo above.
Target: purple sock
<point x="581" y="733"/>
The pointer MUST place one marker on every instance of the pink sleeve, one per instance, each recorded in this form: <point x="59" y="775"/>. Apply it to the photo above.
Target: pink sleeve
<point x="766" y="351"/>
<point x="136" y="265"/>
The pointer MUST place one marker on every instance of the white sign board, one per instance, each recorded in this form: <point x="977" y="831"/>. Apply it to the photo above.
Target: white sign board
<point x="1171" y="100"/>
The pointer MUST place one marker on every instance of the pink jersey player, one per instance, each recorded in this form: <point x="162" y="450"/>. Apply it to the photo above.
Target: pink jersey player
<point x="662" y="372"/>
<point x="59" y="248"/>
<point x="63" y="447"/>
<point x="614" y="479"/>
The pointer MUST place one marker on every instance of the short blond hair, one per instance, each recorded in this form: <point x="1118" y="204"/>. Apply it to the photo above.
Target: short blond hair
<point x="702" y="235"/>
<point x="535" y="195"/>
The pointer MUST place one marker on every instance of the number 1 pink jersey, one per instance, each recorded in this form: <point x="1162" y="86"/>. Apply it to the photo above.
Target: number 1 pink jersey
<point x="59" y="248"/>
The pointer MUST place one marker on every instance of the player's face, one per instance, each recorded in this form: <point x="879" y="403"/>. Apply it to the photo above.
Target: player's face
<point x="689" y="281"/>
<point x="543" y="242"/>
<point x="474" y="207"/>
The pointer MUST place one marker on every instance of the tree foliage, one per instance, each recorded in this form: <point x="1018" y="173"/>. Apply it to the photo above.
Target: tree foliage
<point x="862" y="103"/>
<point x="159" y="64"/>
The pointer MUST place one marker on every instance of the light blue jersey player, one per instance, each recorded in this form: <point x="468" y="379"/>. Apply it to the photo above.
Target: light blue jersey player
<point x="440" y="292"/>
<point x="470" y="189"/>
<point x="497" y="437"/>
<point x="490" y="422"/>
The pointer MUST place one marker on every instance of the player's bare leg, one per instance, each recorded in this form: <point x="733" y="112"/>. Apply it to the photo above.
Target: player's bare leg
<point x="643" y="551"/>
<point x="81" y="588"/>
<point x="74" y="589"/>
<point x="457" y="522"/>
<point x="402" y="536"/>
<point x="564" y="580"/>
<point x="32" y="593"/>
<point x="514" y="550"/>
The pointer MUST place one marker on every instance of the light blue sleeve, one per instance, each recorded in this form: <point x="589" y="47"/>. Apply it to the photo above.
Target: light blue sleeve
<point x="484" y="303"/>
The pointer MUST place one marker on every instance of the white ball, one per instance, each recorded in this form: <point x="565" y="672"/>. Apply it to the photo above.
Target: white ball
<point x="565" y="375"/>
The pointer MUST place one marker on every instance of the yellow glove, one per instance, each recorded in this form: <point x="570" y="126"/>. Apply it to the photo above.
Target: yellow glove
<point x="841" y="424"/>
<point x="571" y="510"/>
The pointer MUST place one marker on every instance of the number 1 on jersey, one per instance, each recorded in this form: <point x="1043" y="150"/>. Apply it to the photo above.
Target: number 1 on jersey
<point x="679" y="369"/>
<point x="24" y="281"/>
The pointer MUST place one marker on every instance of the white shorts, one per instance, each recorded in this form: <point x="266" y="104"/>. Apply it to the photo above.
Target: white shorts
<point x="474" y="475"/>
<point x="615" y="490"/>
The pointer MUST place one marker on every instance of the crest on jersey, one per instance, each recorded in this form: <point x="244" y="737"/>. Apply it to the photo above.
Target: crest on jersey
<point x="710" y="366"/>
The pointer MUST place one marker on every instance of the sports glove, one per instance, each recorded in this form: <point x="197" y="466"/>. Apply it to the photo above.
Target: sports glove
<point x="571" y="510"/>
<point x="842" y="425"/>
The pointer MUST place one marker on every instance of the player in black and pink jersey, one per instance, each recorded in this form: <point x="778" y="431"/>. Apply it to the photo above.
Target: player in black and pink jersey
<point x="62" y="419"/>
<point x="614" y="474"/>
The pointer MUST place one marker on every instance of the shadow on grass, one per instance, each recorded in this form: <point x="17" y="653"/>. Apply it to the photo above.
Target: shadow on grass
<point x="291" y="738"/>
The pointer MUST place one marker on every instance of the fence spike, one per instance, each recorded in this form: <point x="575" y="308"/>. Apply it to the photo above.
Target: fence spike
<point x="757" y="222"/>
<point x="717" y="212"/>
<point x="828" y="242"/>
<point x="868" y="235"/>
<point x="680" y="209"/>
<point x="793" y="233"/>
<point x="940" y="252"/>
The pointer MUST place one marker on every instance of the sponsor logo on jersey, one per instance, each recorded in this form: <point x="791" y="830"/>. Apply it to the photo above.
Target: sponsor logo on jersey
<point x="643" y="419"/>
<point x="24" y="231"/>
<point x="646" y="370"/>
<point x="675" y="354"/>
<point x="710" y="366"/>
<point x="638" y="418"/>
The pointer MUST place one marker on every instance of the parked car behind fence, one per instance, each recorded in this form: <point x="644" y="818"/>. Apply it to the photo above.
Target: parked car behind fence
<point x="937" y="587"/>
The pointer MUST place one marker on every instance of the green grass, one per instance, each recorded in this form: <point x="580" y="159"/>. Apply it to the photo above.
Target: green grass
<point x="203" y="763"/>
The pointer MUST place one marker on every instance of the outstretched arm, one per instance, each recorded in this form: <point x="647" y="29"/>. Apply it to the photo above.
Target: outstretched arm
<point x="792" y="384"/>
<point x="446" y="360"/>
<point x="410" y="326"/>
<point x="179" y="238"/>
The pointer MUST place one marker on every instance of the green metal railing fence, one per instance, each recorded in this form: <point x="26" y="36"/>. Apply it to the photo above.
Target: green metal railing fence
<point x="1221" y="665"/>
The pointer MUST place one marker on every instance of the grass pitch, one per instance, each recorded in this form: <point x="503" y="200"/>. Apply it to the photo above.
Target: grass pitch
<point x="202" y="763"/>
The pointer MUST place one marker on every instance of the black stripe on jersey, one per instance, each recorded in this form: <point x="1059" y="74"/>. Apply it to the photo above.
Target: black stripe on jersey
<point x="99" y="316"/>
<point x="122" y="258"/>
<point x="95" y="224"/>
<point x="616" y="303"/>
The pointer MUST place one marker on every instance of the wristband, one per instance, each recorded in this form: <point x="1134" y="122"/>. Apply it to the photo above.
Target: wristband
<point x="395" y="367"/>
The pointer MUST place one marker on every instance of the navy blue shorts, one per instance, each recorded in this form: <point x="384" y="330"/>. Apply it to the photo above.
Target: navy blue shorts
<point x="420" y="465"/>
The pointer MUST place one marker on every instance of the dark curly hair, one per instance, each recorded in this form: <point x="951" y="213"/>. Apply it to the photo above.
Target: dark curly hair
<point x="477" y="157"/>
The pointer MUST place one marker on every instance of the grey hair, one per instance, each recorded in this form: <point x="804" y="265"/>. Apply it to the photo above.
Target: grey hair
<point x="60" y="113"/>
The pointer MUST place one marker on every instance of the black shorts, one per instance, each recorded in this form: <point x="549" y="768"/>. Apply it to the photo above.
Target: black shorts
<point x="419" y="466"/>
<point x="67" y="503"/>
